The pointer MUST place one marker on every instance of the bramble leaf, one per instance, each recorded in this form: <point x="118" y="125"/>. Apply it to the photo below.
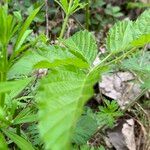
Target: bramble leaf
<point x="61" y="97"/>
<point x="83" y="45"/>
<point x="120" y="36"/>
<point x="125" y="35"/>
<point x="139" y="63"/>
<point x="142" y="24"/>
<point x="46" y="57"/>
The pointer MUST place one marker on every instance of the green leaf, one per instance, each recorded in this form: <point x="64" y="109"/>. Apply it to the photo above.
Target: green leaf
<point x="3" y="143"/>
<point x="25" y="27"/>
<point x="46" y="57"/>
<point x="58" y="56"/>
<point x="2" y="114"/>
<point x="76" y="6"/>
<point x="61" y="97"/>
<point x="139" y="62"/>
<point x="146" y="83"/>
<point x="83" y="45"/>
<point x="21" y="142"/>
<point x="86" y="127"/>
<point x="125" y="35"/>
<point x="68" y="61"/>
<point x="25" y="119"/>
<point x="120" y="36"/>
<point x="17" y="14"/>
<point x="13" y="85"/>
<point x="23" y="38"/>
<point x="63" y="4"/>
<point x="24" y="65"/>
<point x="141" y="41"/>
<point x="25" y="116"/>
<point x="108" y="113"/>
<point x="7" y="25"/>
<point x="142" y="24"/>
<point x="140" y="5"/>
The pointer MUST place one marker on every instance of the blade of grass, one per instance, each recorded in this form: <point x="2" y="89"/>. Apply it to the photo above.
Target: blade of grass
<point x="26" y="25"/>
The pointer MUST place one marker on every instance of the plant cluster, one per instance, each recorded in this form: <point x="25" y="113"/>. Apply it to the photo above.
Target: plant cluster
<point x="47" y="113"/>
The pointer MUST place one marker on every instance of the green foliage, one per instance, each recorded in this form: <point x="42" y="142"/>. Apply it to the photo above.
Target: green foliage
<point x="25" y="116"/>
<point x="142" y="40"/>
<point x="24" y="32"/>
<point x="102" y="14"/>
<point x="140" y="64"/>
<point x="11" y="33"/>
<point x="126" y="35"/>
<point x="113" y="11"/>
<point x="21" y="142"/>
<point x="85" y="128"/>
<point x="45" y="57"/>
<point x="108" y="113"/>
<point x="119" y="38"/>
<point x="3" y="143"/>
<point x="33" y="133"/>
<point x="7" y="27"/>
<point x="13" y="85"/>
<point x="83" y="45"/>
<point x="68" y="90"/>
<point x="132" y="5"/>
<point x="60" y="96"/>
<point x="146" y="84"/>
<point x="70" y="7"/>
<point x="142" y="24"/>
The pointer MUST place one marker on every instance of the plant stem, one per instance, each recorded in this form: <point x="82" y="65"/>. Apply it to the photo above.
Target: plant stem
<point x="64" y="27"/>
<point x="87" y="14"/>
<point x="3" y="75"/>
<point x="106" y="58"/>
<point x="121" y="57"/>
<point x="66" y="20"/>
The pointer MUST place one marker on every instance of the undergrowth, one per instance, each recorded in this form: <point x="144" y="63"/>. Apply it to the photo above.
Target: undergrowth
<point x="48" y="112"/>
